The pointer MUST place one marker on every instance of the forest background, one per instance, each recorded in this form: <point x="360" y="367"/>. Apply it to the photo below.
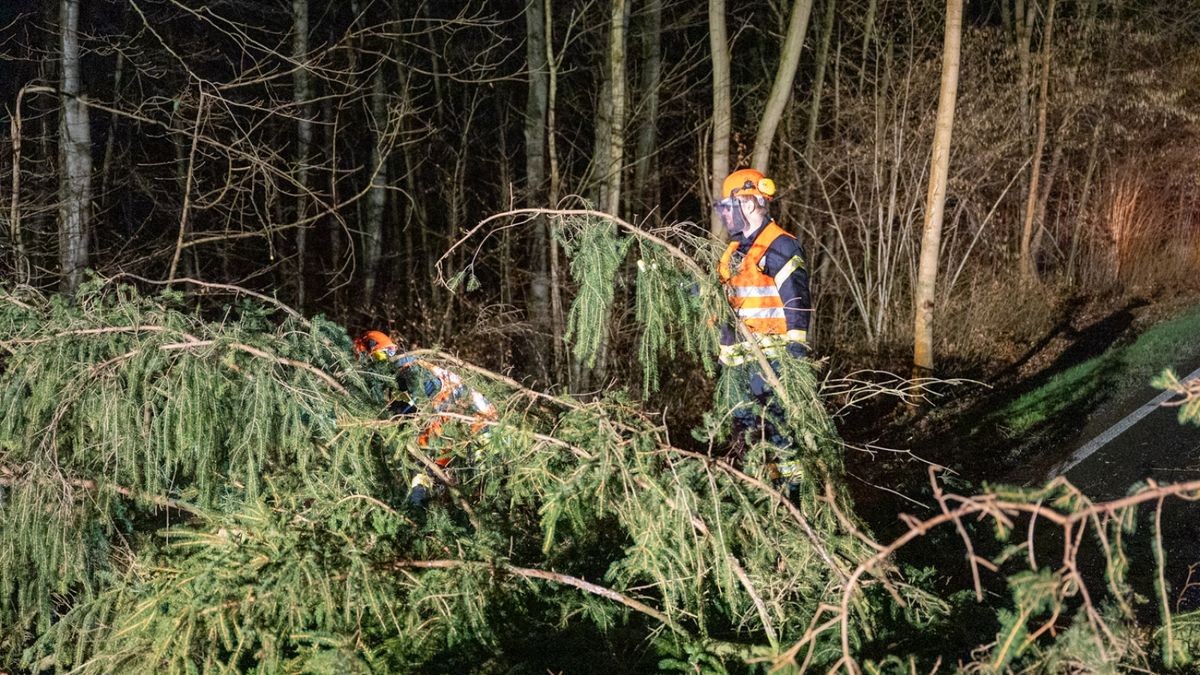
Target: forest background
<point x="333" y="156"/>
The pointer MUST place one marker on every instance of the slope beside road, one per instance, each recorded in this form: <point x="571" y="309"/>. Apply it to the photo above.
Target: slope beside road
<point x="1148" y="442"/>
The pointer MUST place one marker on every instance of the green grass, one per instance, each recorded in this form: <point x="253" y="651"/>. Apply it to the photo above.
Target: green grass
<point x="1092" y="381"/>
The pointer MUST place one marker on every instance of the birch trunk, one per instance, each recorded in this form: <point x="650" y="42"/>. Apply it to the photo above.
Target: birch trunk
<point x="718" y="40"/>
<point x="616" y="146"/>
<point x="781" y="88"/>
<point x="75" y="153"/>
<point x="935" y="203"/>
<point x="616" y="136"/>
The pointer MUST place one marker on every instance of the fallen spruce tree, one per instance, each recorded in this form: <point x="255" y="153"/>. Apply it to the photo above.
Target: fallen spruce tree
<point x="188" y="485"/>
<point x="183" y="492"/>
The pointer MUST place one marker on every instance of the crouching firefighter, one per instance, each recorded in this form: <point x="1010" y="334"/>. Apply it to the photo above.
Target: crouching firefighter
<point x="765" y="280"/>
<point x="447" y="398"/>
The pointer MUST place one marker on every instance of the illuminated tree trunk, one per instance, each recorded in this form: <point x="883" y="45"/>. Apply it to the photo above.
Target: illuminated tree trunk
<point x="935" y="203"/>
<point x="1029" y="253"/>
<point x="781" y="88"/>
<point x="75" y="153"/>
<point x="722" y="114"/>
<point x="616" y="136"/>
<point x="536" y="104"/>
<point x="615" y="154"/>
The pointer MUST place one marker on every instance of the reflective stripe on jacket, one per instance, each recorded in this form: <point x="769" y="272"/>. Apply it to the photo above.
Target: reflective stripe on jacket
<point x="756" y="300"/>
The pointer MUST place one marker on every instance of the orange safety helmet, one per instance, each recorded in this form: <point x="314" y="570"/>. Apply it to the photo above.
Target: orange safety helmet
<point x="377" y="344"/>
<point x="747" y="182"/>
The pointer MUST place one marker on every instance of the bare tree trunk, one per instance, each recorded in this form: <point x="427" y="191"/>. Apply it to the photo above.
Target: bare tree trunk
<point x="616" y="136"/>
<point x="647" y="141"/>
<point x="337" y="243"/>
<point x="814" y="110"/>
<point x="868" y="34"/>
<point x="1028" y="255"/>
<point x="1005" y="17"/>
<point x="456" y="208"/>
<point x="110" y="142"/>
<point x="1025" y="15"/>
<point x="536" y="20"/>
<point x="556" y="303"/>
<point x="616" y="145"/>
<point x="1083" y="210"/>
<point x="185" y="162"/>
<point x="21" y="264"/>
<point x="718" y="39"/>
<point x="935" y="203"/>
<point x="1039" y="218"/>
<point x="781" y="88"/>
<point x="377" y="197"/>
<point x="75" y="152"/>
<point x="304" y="137"/>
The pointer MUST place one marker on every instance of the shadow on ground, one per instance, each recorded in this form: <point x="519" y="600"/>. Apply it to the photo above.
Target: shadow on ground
<point x="974" y="439"/>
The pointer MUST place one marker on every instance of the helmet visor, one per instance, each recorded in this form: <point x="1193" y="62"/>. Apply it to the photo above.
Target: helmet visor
<point x="725" y="206"/>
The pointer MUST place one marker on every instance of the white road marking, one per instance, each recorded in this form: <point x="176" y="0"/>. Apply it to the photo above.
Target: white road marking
<point x="1115" y="430"/>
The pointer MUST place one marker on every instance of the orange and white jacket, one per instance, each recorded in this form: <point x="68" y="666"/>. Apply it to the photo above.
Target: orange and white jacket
<point x="766" y="281"/>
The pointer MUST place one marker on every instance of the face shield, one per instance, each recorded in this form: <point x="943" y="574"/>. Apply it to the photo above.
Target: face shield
<point x="730" y="212"/>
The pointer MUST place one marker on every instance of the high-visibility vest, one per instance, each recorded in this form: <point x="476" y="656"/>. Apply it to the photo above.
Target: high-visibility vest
<point x="754" y="296"/>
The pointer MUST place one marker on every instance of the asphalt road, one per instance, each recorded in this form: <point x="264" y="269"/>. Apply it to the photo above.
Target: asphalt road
<point x="1147" y="442"/>
<point x="1128" y="446"/>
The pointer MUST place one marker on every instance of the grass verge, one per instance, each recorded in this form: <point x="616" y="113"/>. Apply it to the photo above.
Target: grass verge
<point x="1094" y="381"/>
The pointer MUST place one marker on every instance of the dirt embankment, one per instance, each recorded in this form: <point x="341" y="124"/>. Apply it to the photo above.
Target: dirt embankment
<point x="1086" y="360"/>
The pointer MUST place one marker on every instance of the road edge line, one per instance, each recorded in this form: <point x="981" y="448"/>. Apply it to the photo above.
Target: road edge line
<point x="1115" y="430"/>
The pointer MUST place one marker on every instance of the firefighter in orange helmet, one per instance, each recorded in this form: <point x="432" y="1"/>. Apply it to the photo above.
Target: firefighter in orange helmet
<point x="445" y="392"/>
<point x="765" y="279"/>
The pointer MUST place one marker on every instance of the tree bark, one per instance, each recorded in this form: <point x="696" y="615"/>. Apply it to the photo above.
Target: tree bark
<point x="814" y="110"/>
<point x="647" y="141"/>
<point x="110" y="142"/>
<point x="1083" y="210"/>
<point x="616" y="136"/>
<point x="781" y="88"/>
<point x="75" y="152"/>
<point x="302" y="92"/>
<point x="935" y="203"/>
<point x="377" y="197"/>
<point x="1028" y="254"/>
<point x="616" y="146"/>
<point x="536" y="104"/>
<point x="868" y="34"/>
<point x="556" y="303"/>
<point x="1026" y="12"/>
<point x="718" y="40"/>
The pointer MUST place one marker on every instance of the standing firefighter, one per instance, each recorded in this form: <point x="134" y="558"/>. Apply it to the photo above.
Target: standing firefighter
<point x="763" y="273"/>
<point x="447" y="396"/>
